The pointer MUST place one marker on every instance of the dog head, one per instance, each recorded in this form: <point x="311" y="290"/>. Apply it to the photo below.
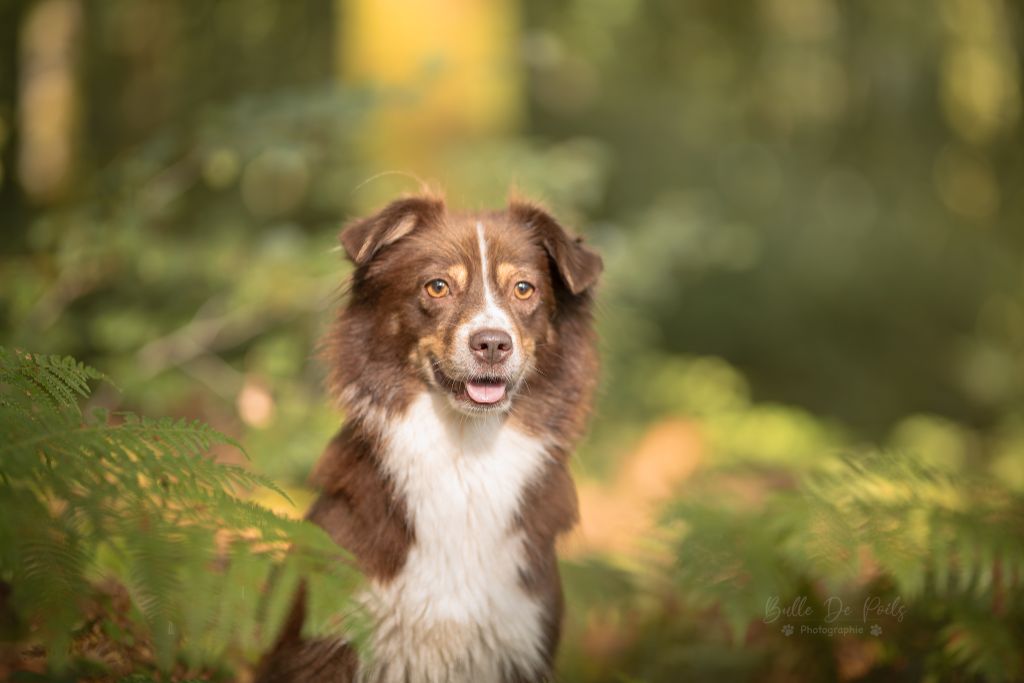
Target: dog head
<point x="468" y="304"/>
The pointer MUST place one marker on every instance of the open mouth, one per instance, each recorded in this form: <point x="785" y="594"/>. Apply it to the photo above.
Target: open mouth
<point x="478" y="391"/>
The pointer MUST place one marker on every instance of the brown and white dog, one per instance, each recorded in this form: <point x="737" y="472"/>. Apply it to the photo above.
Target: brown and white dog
<point x="466" y="362"/>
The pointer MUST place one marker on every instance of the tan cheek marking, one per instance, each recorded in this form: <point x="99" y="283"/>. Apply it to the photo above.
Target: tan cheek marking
<point x="459" y="275"/>
<point x="505" y="271"/>
<point x="425" y="348"/>
<point x="393" y="325"/>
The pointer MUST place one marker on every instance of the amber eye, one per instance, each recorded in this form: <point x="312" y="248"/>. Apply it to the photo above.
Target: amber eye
<point x="524" y="290"/>
<point x="437" y="288"/>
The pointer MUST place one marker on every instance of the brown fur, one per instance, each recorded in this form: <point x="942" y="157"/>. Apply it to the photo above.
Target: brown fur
<point x="379" y="352"/>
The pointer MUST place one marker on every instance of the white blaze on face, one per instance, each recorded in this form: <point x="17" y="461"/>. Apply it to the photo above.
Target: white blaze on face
<point x="491" y="317"/>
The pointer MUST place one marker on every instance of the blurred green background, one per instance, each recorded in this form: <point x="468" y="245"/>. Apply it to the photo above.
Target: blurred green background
<point x="810" y="214"/>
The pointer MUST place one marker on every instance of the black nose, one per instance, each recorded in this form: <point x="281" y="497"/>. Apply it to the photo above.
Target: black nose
<point x="491" y="346"/>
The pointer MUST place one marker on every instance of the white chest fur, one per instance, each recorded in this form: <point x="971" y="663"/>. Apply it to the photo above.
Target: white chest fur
<point x="456" y="611"/>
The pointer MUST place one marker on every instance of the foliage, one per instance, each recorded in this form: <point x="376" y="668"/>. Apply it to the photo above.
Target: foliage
<point x="922" y="546"/>
<point x="883" y="527"/>
<point x="811" y="238"/>
<point x="101" y="496"/>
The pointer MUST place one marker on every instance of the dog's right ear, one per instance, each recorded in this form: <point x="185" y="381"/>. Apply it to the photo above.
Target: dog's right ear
<point x="364" y="237"/>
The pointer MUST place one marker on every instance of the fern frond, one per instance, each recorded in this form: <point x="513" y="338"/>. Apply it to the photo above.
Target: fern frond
<point x="721" y="563"/>
<point x="982" y="648"/>
<point x="930" y="531"/>
<point x="947" y="545"/>
<point x="139" y="499"/>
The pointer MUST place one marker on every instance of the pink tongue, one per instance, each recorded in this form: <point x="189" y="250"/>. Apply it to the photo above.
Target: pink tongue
<point x="482" y="392"/>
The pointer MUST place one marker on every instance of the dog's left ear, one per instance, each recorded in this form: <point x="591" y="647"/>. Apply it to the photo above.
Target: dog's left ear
<point x="578" y="266"/>
<point x="364" y="237"/>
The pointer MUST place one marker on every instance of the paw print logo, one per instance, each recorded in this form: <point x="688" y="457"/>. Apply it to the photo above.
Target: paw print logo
<point x="787" y="630"/>
<point x="876" y="630"/>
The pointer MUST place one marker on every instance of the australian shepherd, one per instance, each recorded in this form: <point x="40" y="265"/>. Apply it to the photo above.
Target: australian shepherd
<point x="465" y="360"/>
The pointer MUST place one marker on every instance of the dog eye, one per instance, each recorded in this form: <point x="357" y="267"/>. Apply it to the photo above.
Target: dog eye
<point x="524" y="290"/>
<point x="437" y="288"/>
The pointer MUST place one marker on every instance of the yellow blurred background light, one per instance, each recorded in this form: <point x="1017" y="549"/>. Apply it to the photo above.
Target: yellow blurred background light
<point x="448" y="68"/>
